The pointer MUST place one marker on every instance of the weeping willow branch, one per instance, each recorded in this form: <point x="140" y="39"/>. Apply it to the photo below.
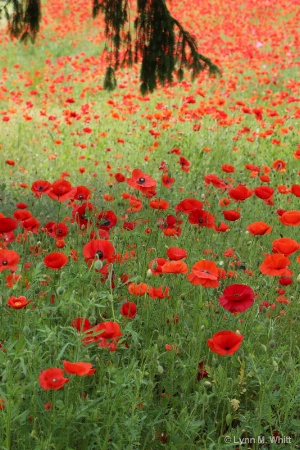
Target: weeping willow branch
<point x="24" y="19"/>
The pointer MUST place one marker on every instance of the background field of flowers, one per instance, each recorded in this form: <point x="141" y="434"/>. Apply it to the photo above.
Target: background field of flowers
<point x="149" y="246"/>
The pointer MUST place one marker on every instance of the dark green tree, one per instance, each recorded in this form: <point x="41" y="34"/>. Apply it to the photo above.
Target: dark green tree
<point x="154" y="37"/>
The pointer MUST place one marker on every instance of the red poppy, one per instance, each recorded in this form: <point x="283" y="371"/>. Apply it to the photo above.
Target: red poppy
<point x="31" y="224"/>
<point x="55" y="260"/>
<point x="40" y="187"/>
<point x="240" y="193"/>
<point x="275" y="266"/>
<point x="81" y="324"/>
<point x="50" y="228"/>
<point x="201" y="218"/>
<point x="108" y="330"/>
<point x="215" y="181"/>
<point x="82" y="193"/>
<point x="106" y="220"/>
<point x="290" y="218"/>
<point x="204" y="273"/>
<point x="128" y="310"/>
<point x="227" y="168"/>
<point x="231" y="215"/>
<point x="137" y="289"/>
<point x="285" y="246"/>
<point x="7" y="224"/>
<point x="21" y="205"/>
<point x="158" y="203"/>
<point x="78" y="368"/>
<point x="184" y="164"/>
<point x="79" y="214"/>
<point x="142" y="182"/>
<point x="18" y="302"/>
<point x="263" y="192"/>
<point x="167" y="181"/>
<point x="8" y="260"/>
<point x="259" y="228"/>
<point x="285" y="281"/>
<point x="23" y="214"/>
<point x="120" y="177"/>
<point x="61" y="230"/>
<point x="187" y="205"/>
<point x="158" y="292"/>
<point x="225" y="342"/>
<point x="156" y="265"/>
<point x="279" y="165"/>
<point x="62" y="190"/>
<point x="99" y="249"/>
<point x="202" y="373"/>
<point x="176" y="253"/>
<point x="237" y="298"/>
<point x="175" y="267"/>
<point x="52" y="378"/>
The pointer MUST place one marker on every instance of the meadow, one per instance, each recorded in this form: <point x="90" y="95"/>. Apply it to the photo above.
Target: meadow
<point x="149" y="245"/>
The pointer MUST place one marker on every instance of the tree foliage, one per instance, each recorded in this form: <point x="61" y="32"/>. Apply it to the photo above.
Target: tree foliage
<point x="154" y="38"/>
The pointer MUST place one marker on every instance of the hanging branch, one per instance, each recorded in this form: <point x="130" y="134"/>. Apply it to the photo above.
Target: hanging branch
<point x="162" y="45"/>
<point x="24" y="20"/>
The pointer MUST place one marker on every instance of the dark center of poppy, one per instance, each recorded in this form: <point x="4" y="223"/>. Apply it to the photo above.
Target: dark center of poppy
<point x="236" y="295"/>
<point x="40" y="188"/>
<point x="141" y="180"/>
<point x="200" y="220"/>
<point x="80" y="197"/>
<point x="4" y="263"/>
<point x="227" y="348"/>
<point x="54" y="380"/>
<point x="99" y="253"/>
<point x="59" y="231"/>
<point x="106" y="223"/>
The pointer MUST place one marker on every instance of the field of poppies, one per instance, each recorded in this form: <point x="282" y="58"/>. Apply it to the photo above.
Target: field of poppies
<point x="149" y="245"/>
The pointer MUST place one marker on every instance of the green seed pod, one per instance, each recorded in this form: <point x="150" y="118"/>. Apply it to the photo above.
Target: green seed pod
<point x="229" y="419"/>
<point x="98" y="264"/>
<point x="60" y="290"/>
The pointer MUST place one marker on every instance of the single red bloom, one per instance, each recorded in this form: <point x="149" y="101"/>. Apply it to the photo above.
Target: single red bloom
<point x="202" y="373"/>
<point x="61" y="230"/>
<point x="106" y="220"/>
<point x="237" y="298"/>
<point x="62" y="190"/>
<point x="275" y="265"/>
<point x="225" y="342"/>
<point x="20" y="215"/>
<point x="52" y="378"/>
<point x="17" y="302"/>
<point x="285" y="281"/>
<point x="240" y="193"/>
<point x="201" y="218"/>
<point x="108" y="330"/>
<point x="176" y="253"/>
<point x="55" y="260"/>
<point x="263" y="192"/>
<point x="82" y="193"/>
<point x="7" y="224"/>
<point x="204" y="273"/>
<point x="187" y="205"/>
<point x="154" y="292"/>
<point x="128" y="310"/>
<point x="227" y="168"/>
<point x="120" y="177"/>
<point x="141" y="181"/>
<point x="78" y="368"/>
<point x="184" y="164"/>
<point x="156" y="265"/>
<point x="138" y="289"/>
<point x="99" y="249"/>
<point x="231" y="215"/>
<point x="158" y="203"/>
<point x="81" y="324"/>
<point x="79" y="214"/>
<point x="259" y="228"/>
<point x="167" y="181"/>
<point x="290" y="218"/>
<point x="21" y="205"/>
<point x="175" y="267"/>
<point x="8" y="260"/>
<point x="41" y="187"/>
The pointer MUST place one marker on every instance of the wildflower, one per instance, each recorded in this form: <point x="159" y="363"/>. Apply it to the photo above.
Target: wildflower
<point x="225" y="342"/>
<point x="275" y="265"/>
<point x="204" y="273"/>
<point x="55" y="260"/>
<point x="8" y="260"/>
<point x="52" y="378"/>
<point x="78" y="368"/>
<point x="128" y="310"/>
<point x="259" y="228"/>
<point x="17" y="302"/>
<point x="237" y="298"/>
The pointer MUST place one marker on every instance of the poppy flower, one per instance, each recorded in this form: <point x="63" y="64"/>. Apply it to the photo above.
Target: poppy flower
<point x="31" y="224"/>
<point x="201" y="218"/>
<point x="78" y="368"/>
<point x="184" y="164"/>
<point x="156" y="265"/>
<point x="61" y="230"/>
<point x="259" y="228"/>
<point x="137" y="289"/>
<point x="237" y="298"/>
<point x="106" y="220"/>
<point x="158" y="292"/>
<point x="240" y="193"/>
<point x="21" y="205"/>
<point x="167" y="181"/>
<point x="290" y="218"/>
<point x="128" y="310"/>
<point x="279" y="165"/>
<point x="187" y="205"/>
<point x="215" y="181"/>
<point x="202" y="373"/>
<point x="8" y="260"/>
<point x="176" y="253"/>
<point x="263" y="192"/>
<point x="17" y="302"/>
<point x="7" y="224"/>
<point x="225" y="342"/>
<point x="81" y="324"/>
<point x="80" y="214"/>
<point x="227" y="168"/>
<point x="231" y="215"/>
<point x="40" y="187"/>
<point x="158" y="203"/>
<point x="82" y="193"/>
<point x="55" y="260"/>
<point x="108" y="330"/>
<point x="22" y="215"/>
<point x="62" y="190"/>
<point x="285" y="246"/>
<point x="52" y="378"/>
<point x="275" y="266"/>
<point x="99" y="249"/>
<point x="175" y="267"/>
<point x="285" y="281"/>
<point x="120" y="177"/>
<point x="141" y="181"/>
<point x="204" y="273"/>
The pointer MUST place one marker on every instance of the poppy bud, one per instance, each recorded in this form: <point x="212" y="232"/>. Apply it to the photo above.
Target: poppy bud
<point x="207" y="384"/>
<point x="149" y="273"/>
<point x="160" y="369"/>
<point x="182" y="296"/>
<point x="272" y="344"/>
<point x="60" y="290"/>
<point x="228" y="419"/>
<point x="298" y="278"/>
<point x="98" y="264"/>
